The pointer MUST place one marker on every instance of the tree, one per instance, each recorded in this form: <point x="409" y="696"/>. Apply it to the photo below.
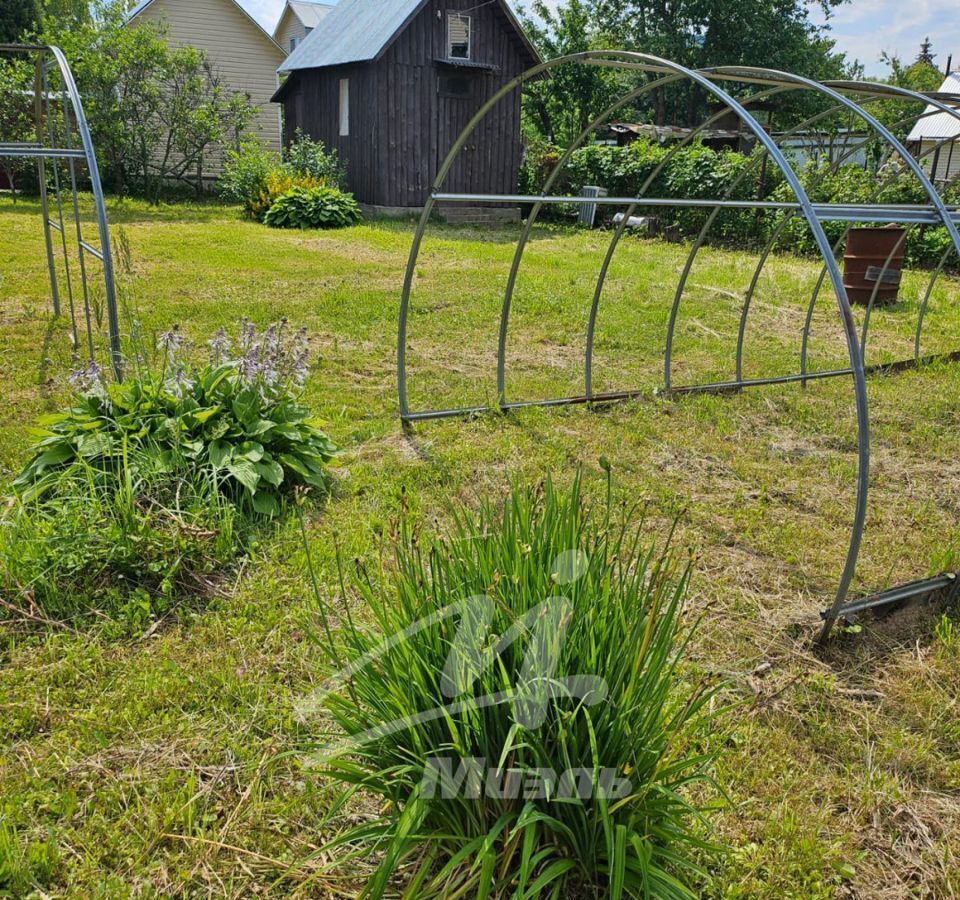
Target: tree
<point x="926" y="56"/>
<point x="17" y="18"/>
<point x="154" y="111"/>
<point x="899" y="115"/>
<point x="702" y="33"/>
<point x="16" y="115"/>
<point x="560" y="107"/>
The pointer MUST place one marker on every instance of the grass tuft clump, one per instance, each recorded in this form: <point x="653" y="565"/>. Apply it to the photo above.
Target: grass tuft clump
<point x="534" y="732"/>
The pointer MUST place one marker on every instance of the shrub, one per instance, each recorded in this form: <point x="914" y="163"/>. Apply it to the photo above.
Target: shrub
<point x="277" y="183"/>
<point x="306" y="156"/>
<point x="245" y="174"/>
<point x="142" y="483"/>
<point x="606" y="650"/>
<point x="254" y="177"/>
<point x="318" y="207"/>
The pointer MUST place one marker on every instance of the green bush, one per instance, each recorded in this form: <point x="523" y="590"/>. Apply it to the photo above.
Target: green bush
<point x="598" y="611"/>
<point x="891" y="184"/>
<point x="142" y="484"/>
<point x="691" y="172"/>
<point x="254" y="177"/>
<point x="245" y="173"/>
<point x="321" y="207"/>
<point x="306" y="156"/>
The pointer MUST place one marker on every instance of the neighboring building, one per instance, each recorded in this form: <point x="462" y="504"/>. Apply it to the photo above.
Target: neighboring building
<point x="298" y="19"/>
<point x="242" y="53"/>
<point x="936" y="136"/>
<point x="842" y="147"/>
<point x="391" y="84"/>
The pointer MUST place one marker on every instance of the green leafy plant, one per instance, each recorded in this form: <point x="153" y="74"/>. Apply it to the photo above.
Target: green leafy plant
<point x="255" y="177"/>
<point x="147" y="486"/>
<point x="313" y="208"/>
<point x="238" y="418"/>
<point x="305" y="156"/>
<point x="590" y="600"/>
<point x="245" y="173"/>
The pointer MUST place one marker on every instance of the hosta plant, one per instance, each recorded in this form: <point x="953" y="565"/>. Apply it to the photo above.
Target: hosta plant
<point x="537" y="648"/>
<point x="319" y="207"/>
<point x="236" y="417"/>
<point x="143" y="492"/>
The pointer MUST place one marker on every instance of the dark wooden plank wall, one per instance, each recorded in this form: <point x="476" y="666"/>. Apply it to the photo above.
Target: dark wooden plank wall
<point x="401" y="128"/>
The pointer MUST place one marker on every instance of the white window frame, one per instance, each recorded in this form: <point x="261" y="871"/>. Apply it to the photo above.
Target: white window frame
<point x="469" y="20"/>
<point x="344" y="107"/>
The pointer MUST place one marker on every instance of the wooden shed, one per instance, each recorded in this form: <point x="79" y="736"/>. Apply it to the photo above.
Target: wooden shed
<point x="391" y="84"/>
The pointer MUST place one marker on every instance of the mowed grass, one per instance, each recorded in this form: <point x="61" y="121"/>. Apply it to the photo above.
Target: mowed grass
<point x="164" y="762"/>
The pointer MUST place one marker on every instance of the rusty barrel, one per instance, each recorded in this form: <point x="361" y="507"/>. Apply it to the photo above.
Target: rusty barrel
<point x="867" y="259"/>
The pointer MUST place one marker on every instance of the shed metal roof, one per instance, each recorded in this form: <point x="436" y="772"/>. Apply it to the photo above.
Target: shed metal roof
<point x="360" y="30"/>
<point x="936" y="124"/>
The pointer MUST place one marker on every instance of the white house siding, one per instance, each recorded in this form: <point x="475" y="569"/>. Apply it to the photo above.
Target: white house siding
<point x="947" y="160"/>
<point x="290" y="27"/>
<point x="244" y="57"/>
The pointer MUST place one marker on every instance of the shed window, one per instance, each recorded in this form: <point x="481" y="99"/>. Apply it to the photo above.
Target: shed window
<point x="458" y="36"/>
<point x="344" y="107"/>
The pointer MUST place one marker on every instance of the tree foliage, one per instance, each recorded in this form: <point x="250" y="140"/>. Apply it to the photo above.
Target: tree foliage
<point x="561" y="106"/>
<point x="695" y="33"/>
<point x="18" y="18"/>
<point x="157" y="113"/>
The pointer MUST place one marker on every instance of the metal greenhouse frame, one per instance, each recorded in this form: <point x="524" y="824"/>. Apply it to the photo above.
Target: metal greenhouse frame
<point x="845" y="96"/>
<point x="63" y="148"/>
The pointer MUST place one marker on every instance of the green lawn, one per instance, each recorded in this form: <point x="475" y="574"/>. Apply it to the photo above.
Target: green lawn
<point x="164" y="763"/>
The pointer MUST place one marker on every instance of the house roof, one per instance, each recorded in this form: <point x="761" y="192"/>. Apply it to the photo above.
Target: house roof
<point x="937" y="124"/>
<point x="361" y="30"/>
<point x="310" y="12"/>
<point x="143" y="4"/>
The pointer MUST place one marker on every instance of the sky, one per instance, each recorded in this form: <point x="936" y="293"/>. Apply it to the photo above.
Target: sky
<point x="862" y="28"/>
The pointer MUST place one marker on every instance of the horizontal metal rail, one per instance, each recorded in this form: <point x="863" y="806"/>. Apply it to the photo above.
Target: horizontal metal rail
<point x="900" y="365"/>
<point x="36" y="152"/>
<point x="894" y="595"/>
<point x="93" y="251"/>
<point x="714" y="387"/>
<point x="835" y="212"/>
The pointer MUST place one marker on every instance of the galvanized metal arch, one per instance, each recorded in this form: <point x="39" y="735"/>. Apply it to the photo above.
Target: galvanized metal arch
<point x="671" y="71"/>
<point x="535" y="212"/>
<point x="774" y="238"/>
<point x="878" y="91"/>
<point x="788" y="216"/>
<point x="46" y="148"/>
<point x="698" y="245"/>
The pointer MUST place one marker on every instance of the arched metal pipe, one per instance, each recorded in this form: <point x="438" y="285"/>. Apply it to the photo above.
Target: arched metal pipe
<point x="96" y="188"/>
<point x="699" y="244"/>
<point x="651" y="63"/>
<point x="855" y="355"/>
<point x="788" y="217"/>
<point x="926" y="299"/>
<point x="534" y="214"/>
<point x="621" y="228"/>
<point x="805" y="340"/>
